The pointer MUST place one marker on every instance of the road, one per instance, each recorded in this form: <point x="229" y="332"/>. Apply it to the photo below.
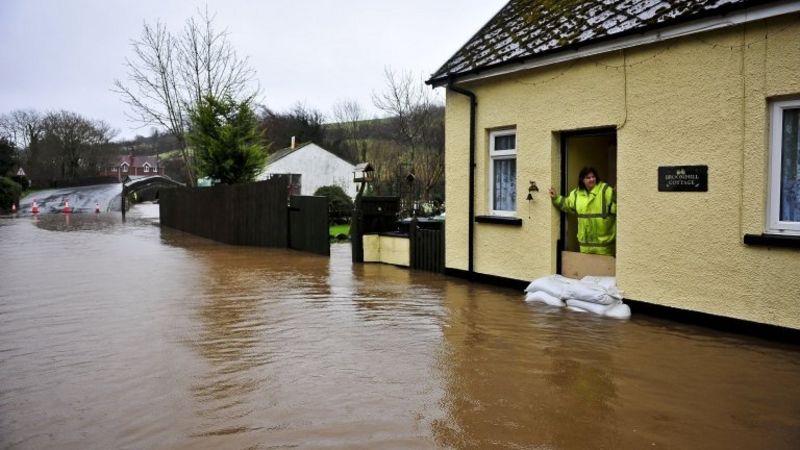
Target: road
<point x="81" y="199"/>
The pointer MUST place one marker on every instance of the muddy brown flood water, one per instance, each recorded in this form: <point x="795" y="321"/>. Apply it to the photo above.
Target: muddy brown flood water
<point x="125" y="335"/>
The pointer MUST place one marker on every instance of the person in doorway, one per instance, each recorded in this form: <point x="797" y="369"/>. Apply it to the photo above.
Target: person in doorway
<point x="595" y="204"/>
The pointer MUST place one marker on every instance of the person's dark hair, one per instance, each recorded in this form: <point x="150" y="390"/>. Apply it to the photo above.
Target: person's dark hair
<point x="584" y="172"/>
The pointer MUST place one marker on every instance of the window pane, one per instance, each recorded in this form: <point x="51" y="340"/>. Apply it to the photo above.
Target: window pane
<point x="505" y="185"/>
<point x="506" y="142"/>
<point x="790" y="158"/>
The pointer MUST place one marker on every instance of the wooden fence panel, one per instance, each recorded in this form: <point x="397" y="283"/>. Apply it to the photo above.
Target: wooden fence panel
<point x="308" y="224"/>
<point x="427" y="246"/>
<point x="246" y="214"/>
<point x="379" y="214"/>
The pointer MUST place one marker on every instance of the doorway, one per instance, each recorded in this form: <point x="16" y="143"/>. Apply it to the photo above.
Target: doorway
<point x="598" y="149"/>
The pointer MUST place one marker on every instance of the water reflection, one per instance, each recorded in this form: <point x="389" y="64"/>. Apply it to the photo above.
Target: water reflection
<point x="237" y="330"/>
<point x="582" y="376"/>
<point x="228" y="340"/>
<point x="106" y="222"/>
<point x="77" y="222"/>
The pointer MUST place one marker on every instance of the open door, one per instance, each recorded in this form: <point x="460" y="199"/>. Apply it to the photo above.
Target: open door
<point x="598" y="149"/>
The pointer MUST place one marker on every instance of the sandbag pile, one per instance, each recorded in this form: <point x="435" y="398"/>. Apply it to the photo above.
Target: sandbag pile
<point x="598" y="295"/>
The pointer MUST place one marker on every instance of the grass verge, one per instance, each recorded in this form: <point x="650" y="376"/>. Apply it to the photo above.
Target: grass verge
<point x="336" y="230"/>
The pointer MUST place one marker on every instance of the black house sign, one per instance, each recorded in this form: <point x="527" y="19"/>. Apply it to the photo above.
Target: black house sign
<point x="683" y="179"/>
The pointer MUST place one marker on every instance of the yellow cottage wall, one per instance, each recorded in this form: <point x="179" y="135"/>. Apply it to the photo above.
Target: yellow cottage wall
<point x="698" y="100"/>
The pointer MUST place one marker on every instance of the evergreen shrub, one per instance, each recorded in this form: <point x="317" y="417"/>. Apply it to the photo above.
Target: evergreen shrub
<point x="9" y="193"/>
<point x="340" y="205"/>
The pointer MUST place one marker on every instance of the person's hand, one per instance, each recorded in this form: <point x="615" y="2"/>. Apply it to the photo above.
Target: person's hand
<point x="551" y="192"/>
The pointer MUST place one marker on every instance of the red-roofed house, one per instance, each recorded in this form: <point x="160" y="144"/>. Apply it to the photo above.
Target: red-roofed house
<point x="135" y="165"/>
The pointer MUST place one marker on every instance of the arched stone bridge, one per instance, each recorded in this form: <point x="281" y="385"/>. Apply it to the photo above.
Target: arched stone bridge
<point x="146" y="188"/>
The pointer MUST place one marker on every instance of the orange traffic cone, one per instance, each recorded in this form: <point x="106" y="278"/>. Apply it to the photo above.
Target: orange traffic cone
<point x="35" y="208"/>
<point x="66" y="209"/>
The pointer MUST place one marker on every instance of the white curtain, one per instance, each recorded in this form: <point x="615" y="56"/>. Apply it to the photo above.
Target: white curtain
<point x="505" y="184"/>
<point x="790" y="172"/>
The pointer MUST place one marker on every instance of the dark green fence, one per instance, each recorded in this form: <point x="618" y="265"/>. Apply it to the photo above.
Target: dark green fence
<point x="254" y="214"/>
<point x="308" y="224"/>
<point x="426" y="245"/>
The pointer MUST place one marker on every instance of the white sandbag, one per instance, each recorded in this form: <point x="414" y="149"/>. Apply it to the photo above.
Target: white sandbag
<point x="606" y="282"/>
<point x="576" y="309"/>
<point x="587" y="293"/>
<point x="589" y="306"/>
<point x="543" y="297"/>
<point x="616" y="293"/>
<point x="619" y="311"/>
<point x="553" y="285"/>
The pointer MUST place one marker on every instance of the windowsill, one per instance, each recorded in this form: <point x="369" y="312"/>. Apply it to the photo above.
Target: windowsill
<point x="772" y="240"/>
<point x="500" y="220"/>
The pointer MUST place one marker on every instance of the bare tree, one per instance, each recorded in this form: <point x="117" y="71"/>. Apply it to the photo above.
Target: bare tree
<point x="350" y="118"/>
<point x="170" y="74"/>
<point x="302" y="122"/>
<point x="73" y="146"/>
<point x="419" y="126"/>
<point x="24" y="127"/>
<point x="101" y="150"/>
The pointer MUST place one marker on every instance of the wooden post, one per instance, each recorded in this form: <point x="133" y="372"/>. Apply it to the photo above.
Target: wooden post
<point x="123" y="201"/>
<point x="357" y="231"/>
<point x="413" y="244"/>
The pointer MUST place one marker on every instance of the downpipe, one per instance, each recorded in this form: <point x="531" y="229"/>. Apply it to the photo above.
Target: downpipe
<point x="473" y="106"/>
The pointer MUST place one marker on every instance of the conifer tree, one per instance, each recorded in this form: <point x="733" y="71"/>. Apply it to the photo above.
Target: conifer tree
<point x="224" y="136"/>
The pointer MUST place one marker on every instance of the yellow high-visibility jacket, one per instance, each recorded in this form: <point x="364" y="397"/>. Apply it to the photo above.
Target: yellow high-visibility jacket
<point x="597" y="217"/>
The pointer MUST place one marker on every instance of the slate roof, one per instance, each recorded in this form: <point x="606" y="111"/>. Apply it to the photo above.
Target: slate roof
<point x="283" y="152"/>
<point x="280" y="154"/>
<point x="526" y="29"/>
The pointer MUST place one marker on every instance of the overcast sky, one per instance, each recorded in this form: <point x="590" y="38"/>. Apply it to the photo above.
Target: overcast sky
<point x="66" y="54"/>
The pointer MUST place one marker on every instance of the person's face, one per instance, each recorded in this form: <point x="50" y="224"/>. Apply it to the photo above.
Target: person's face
<point x="590" y="181"/>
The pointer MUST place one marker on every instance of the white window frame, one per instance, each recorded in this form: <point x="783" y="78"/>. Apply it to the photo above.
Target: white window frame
<point x="124" y="167"/>
<point x="495" y="155"/>
<point x="146" y="168"/>
<point x="774" y="224"/>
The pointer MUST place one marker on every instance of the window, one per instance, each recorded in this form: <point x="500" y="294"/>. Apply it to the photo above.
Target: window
<point x="146" y="168"/>
<point x="503" y="172"/>
<point x="124" y="167"/>
<point x="784" y="171"/>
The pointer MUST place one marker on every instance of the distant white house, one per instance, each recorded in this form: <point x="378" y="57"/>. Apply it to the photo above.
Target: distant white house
<point x="312" y="167"/>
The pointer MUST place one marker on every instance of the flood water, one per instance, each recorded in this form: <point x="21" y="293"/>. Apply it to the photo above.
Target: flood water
<point x="125" y="335"/>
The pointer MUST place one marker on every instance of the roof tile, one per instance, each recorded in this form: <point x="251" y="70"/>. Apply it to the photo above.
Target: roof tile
<point x="525" y="29"/>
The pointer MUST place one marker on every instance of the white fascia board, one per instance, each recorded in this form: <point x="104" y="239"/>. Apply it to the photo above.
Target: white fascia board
<point x="691" y="28"/>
